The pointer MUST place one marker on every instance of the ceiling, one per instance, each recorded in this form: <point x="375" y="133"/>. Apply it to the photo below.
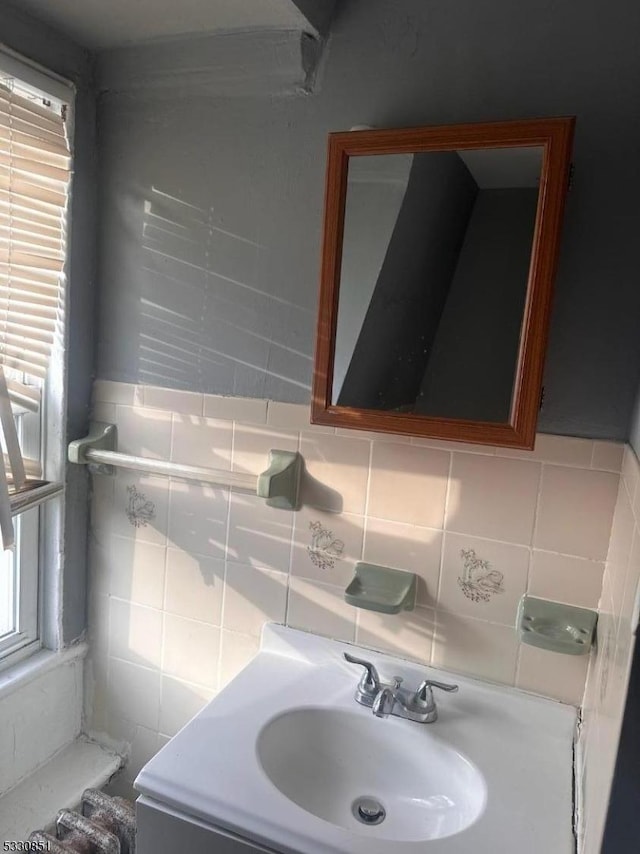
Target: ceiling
<point x="100" y="24"/>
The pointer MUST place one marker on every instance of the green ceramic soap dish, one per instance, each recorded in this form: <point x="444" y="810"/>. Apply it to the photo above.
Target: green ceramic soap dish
<point x="556" y="627"/>
<point x="379" y="588"/>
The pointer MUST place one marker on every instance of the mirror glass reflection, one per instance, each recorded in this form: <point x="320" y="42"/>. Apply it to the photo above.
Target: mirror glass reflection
<point x="433" y="281"/>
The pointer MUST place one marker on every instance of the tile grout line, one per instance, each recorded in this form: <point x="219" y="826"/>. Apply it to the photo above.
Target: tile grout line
<point x="365" y="530"/>
<point x="163" y="630"/>
<point x="445" y="515"/>
<point x="108" y="662"/>
<point x="163" y="621"/>
<point x="536" y="512"/>
<point x="226" y="556"/>
<point x="109" y="535"/>
<point x="171" y="676"/>
<point x="293" y="533"/>
<point x="445" y="530"/>
<point x="631" y="495"/>
<point x="534" y="530"/>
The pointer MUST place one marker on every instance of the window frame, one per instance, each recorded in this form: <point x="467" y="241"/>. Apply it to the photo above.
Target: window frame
<point x="40" y="528"/>
<point x="26" y="570"/>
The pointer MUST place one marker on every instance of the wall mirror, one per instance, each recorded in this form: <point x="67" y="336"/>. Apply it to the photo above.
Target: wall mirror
<point x="439" y="254"/>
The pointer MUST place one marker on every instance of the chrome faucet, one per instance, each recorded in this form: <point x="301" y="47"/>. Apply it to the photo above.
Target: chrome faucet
<point x="387" y="696"/>
<point x="386" y="699"/>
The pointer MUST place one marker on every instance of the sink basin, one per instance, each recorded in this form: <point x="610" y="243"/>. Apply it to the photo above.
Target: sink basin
<point x="327" y="761"/>
<point x="284" y="760"/>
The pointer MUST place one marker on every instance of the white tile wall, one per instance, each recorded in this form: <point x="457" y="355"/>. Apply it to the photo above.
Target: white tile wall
<point x="569" y="521"/>
<point x="39" y="718"/>
<point x="610" y="663"/>
<point x="493" y="497"/>
<point x="183" y="576"/>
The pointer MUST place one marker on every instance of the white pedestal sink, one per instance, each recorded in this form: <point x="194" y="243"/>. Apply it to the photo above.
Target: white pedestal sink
<point x="285" y="760"/>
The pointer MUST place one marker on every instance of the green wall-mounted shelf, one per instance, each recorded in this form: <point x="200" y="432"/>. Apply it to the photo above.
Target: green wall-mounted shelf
<point x="382" y="589"/>
<point x="555" y="626"/>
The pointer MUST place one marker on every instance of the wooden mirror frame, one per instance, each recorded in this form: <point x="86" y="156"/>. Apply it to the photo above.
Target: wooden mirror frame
<point x="555" y="136"/>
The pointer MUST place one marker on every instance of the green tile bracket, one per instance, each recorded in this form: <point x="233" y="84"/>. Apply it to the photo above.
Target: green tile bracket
<point x="556" y="627"/>
<point x="101" y="437"/>
<point x="280" y="483"/>
<point x="382" y="589"/>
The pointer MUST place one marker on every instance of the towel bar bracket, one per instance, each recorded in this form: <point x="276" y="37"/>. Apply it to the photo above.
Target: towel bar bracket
<point x="101" y="437"/>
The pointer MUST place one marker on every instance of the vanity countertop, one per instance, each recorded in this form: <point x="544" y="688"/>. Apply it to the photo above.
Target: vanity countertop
<point x="521" y="744"/>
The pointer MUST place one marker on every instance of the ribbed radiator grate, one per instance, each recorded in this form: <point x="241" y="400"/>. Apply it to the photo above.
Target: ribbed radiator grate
<point x="106" y="825"/>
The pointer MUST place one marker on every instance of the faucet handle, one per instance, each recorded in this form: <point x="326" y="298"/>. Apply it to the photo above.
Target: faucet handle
<point x="370" y="681"/>
<point x="424" y="694"/>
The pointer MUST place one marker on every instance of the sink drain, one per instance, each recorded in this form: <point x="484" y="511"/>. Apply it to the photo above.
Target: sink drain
<point x="368" y="811"/>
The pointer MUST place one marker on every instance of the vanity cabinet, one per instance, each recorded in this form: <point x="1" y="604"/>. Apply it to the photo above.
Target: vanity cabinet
<point x="162" y="830"/>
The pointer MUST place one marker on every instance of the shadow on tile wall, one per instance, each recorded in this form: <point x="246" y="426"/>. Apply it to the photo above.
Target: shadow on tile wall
<point x="184" y="576"/>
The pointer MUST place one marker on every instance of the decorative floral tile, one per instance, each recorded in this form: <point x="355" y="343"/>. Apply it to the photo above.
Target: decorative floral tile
<point x="326" y="546"/>
<point x="140" y="509"/>
<point x="482" y="578"/>
<point x="478" y="581"/>
<point x="324" y="549"/>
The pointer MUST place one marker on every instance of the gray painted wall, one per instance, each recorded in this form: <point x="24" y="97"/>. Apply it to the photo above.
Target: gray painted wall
<point x="234" y="63"/>
<point x="55" y="52"/>
<point x="211" y="209"/>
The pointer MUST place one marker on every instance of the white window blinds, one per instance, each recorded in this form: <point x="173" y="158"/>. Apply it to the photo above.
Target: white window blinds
<point x="34" y="180"/>
<point x="35" y="163"/>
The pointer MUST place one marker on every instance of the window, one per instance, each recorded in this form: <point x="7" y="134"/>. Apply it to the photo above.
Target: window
<point x="35" y="174"/>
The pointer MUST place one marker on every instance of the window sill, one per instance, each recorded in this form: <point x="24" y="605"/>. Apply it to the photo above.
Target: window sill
<point x="34" y="803"/>
<point x="37" y="665"/>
